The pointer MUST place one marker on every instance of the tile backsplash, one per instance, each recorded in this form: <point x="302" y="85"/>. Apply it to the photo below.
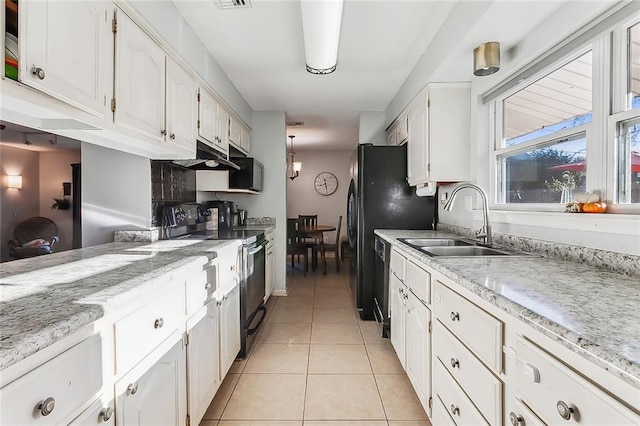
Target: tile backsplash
<point x="170" y="183"/>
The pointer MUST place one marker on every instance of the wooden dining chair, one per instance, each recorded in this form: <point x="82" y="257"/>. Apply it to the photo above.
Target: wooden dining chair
<point x="308" y="221"/>
<point x="295" y="246"/>
<point x="335" y="247"/>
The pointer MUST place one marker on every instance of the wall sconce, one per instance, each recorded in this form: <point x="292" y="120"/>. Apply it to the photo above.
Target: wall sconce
<point x="486" y="58"/>
<point x="14" y="182"/>
<point x="321" y="21"/>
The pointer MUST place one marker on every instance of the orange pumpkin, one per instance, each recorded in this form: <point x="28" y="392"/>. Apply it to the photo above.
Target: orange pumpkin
<point x="594" y="207"/>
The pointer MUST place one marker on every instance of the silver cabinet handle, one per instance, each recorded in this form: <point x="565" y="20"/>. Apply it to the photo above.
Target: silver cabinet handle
<point x="207" y="286"/>
<point x="38" y="72"/>
<point x="158" y="323"/>
<point x="106" y="414"/>
<point x="47" y="406"/>
<point x="172" y="136"/>
<point x="515" y="419"/>
<point x="564" y="410"/>
<point x="218" y="302"/>
<point x="455" y="410"/>
<point x="225" y="297"/>
<point x="455" y="363"/>
<point x="455" y="316"/>
<point x="132" y="388"/>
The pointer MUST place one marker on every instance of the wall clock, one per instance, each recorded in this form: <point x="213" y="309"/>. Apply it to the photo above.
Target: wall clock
<point x="326" y="183"/>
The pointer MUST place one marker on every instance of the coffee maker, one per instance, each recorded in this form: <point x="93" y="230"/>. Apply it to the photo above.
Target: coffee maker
<point x="223" y="214"/>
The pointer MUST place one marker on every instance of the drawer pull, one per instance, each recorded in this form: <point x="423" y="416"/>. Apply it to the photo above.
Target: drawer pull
<point x="455" y="316"/>
<point x="207" y="286"/>
<point x="132" y="388"/>
<point x="516" y="420"/>
<point x="158" y="323"/>
<point x="455" y="363"/>
<point x="455" y="410"/>
<point x="106" y="414"/>
<point x="38" y="72"/>
<point x="564" y="410"/>
<point x="47" y="406"/>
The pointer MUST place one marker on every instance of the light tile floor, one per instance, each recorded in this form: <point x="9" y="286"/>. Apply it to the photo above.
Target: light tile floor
<point x="316" y="364"/>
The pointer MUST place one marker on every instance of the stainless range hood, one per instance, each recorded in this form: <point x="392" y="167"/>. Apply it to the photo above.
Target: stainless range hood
<point x="207" y="158"/>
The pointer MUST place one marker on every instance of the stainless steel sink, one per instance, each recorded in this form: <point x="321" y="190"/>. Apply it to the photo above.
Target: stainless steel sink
<point x="464" y="251"/>
<point x="435" y="242"/>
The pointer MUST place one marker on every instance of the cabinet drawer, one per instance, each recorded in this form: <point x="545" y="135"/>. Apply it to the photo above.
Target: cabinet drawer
<point x="457" y="404"/>
<point x="419" y="281"/>
<point x="548" y="386"/>
<point x="522" y="415"/>
<point x="99" y="413"/>
<point x="227" y="265"/>
<point x="201" y="287"/>
<point x="70" y="379"/>
<point x="397" y="265"/>
<point x="477" y="329"/>
<point x="484" y="389"/>
<point x="138" y="333"/>
<point x="440" y="415"/>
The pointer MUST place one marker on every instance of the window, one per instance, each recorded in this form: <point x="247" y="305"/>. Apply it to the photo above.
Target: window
<point x="573" y="125"/>
<point x="543" y="148"/>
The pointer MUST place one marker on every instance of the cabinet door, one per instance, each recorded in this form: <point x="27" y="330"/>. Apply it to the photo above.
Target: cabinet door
<point x="269" y="271"/>
<point x="207" y="116"/>
<point x="181" y="107"/>
<point x="392" y="137"/>
<point x="223" y="129"/>
<point x="229" y="329"/>
<point x="403" y="129"/>
<point x="235" y="132"/>
<point x="158" y="395"/>
<point x="68" y="41"/>
<point x="418" y="344"/>
<point x="203" y="359"/>
<point x="245" y="139"/>
<point x="397" y="308"/>
<point x="418" y="141"/>
<point x="139" y="81"/>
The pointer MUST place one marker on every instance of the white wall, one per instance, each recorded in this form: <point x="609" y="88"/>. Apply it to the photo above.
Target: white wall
<point x="164" y="18"/>
<point x="116" y="193"/>
<point x="302" y="198"/>
<point x="17" y="205"/>
<point x="268" y="146"/>
<point x="55" y="168"/>
<point x="372" y="125"/>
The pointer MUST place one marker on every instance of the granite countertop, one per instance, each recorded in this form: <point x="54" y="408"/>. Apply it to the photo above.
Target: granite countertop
<point x="589" y="310"/>
<point x="47" y="298"/>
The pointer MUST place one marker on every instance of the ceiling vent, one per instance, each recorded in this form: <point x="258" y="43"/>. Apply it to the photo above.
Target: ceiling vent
<point x="295" y="123"/>
<point x="234" y="4"/>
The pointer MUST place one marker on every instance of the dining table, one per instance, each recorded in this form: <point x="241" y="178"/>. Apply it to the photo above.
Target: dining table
<point x="317" y="232"/>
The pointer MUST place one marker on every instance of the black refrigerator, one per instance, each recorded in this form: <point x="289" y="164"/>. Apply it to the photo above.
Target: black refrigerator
<point x="379" y="198"/>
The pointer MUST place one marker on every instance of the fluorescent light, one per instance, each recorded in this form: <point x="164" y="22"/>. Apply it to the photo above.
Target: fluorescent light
<point x="321" y="20"/>
<point x="14" y="182"/>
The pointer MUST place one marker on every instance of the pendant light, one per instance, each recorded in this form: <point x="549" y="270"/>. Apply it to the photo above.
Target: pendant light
<point x="293" y="167"/>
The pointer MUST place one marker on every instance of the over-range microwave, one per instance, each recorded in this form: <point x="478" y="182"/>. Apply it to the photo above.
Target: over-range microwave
<point x="250" y="176"/>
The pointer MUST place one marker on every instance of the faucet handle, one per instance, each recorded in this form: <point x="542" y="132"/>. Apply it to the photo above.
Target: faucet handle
<point x="482" y="233"/>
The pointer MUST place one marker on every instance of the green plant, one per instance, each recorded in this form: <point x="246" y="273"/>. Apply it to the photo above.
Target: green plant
<point x="61" y="204"/>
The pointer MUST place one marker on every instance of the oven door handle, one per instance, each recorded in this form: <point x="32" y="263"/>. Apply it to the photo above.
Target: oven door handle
<point x="256" y="250"/>
<point x="252" y="330"/>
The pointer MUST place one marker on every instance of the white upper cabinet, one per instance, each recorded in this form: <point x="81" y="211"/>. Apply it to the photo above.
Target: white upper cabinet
<point x="438" y="134"/>
<point x="222" y="133"/>
<point x="139" y="80"/>
<point x="235" y="132"/>
<point x="207" y="116"/>
<point x="181" y="106"/>
<point x="65" y="51"/>
<point x="245" y="139"/>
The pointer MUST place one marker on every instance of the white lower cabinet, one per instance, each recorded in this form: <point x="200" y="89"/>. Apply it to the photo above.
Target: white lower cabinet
<point x="203" y="359"/>
<point x="155" y="395"/>
<point x="410" y="334"/>
<point x="56" y="391"/>
<point x="229" y="328"/>
<point x="457" y="403"/>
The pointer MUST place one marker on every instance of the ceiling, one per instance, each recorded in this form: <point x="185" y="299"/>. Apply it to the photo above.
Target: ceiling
<point x="30" y="139"/>
<point x="261" y="51"/>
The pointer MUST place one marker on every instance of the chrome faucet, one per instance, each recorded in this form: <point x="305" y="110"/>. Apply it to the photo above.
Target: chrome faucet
<point x="485" y="231"/>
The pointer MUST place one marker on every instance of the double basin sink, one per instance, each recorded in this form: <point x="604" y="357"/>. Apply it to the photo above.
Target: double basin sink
<point x="457" y="247"/>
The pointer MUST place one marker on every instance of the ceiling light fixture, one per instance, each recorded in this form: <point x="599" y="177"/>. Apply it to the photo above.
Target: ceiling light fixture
<point x="293" y="167"/>
<point x="321" y="20"/>
<point x="486" y="58"/>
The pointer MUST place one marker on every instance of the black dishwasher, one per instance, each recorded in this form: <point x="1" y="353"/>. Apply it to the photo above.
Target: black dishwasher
<point x="381" y="285"/>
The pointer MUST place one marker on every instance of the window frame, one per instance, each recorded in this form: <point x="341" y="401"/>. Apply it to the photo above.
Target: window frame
<point x="609" y="86"/>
